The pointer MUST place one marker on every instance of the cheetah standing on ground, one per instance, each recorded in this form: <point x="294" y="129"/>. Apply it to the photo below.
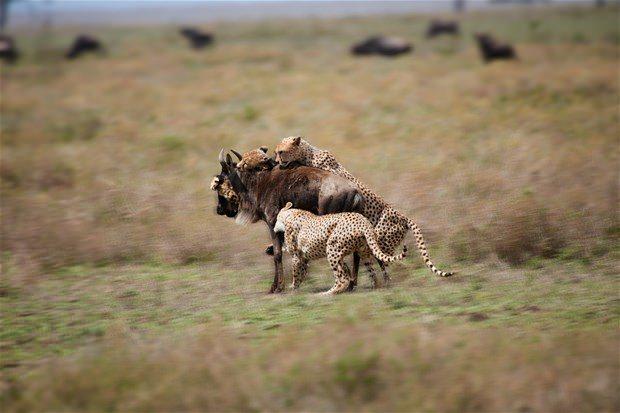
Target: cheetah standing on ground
<point x="334" y="236"/>
<point x="391" y="226"/>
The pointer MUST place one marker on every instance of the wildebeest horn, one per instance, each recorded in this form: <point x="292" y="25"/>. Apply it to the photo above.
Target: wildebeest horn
<point x="237" y="154"/>
<point x="229" y="160"/>
<point x="225" y="168"/>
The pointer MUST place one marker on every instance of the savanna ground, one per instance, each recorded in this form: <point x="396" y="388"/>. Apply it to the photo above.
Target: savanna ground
<point x="122" y="290"/>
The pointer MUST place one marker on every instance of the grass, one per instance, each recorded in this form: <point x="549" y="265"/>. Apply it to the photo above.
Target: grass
<point x="194" y="323"/>
<point x="81" y="303"/>
<point x="122" y="290"/>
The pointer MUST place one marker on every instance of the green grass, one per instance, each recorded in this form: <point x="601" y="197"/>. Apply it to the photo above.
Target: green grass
<point x="202" y="326"/>
<point x="77" y="305"/>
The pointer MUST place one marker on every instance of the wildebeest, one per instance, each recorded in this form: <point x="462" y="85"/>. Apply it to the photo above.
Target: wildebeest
<point x="439" y="27"/>
<point x="493" y="50"/>
<point x="258" y="195"/>
<point x="381" y="45"/>
<point x="83" y="44"/>
<point x="8" y="49"/>
<point x="197" y="38"/>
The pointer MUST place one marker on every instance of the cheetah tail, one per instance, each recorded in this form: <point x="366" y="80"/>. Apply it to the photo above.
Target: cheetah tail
<point x="371" y="239"/>
<point x="419" y="239"/>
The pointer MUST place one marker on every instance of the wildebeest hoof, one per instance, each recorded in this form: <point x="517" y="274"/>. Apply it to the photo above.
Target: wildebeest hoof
<point x="269" y="250"/>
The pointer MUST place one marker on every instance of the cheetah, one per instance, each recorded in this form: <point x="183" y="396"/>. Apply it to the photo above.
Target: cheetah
<point x="256" y="159"/>
<point x="391" y="226"/>
<point x="334" y="236"/>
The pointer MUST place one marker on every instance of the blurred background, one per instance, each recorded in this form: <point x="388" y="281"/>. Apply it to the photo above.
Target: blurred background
<point x="121" y="289"/>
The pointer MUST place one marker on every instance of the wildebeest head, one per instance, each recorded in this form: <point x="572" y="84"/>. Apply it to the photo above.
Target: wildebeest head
<point x="227" y="198"/>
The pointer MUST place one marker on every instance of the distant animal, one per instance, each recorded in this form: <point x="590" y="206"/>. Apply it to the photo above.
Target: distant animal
<point x="258" y="193"/>
<point x="84" y="44"/>
<point x="197" y="38"/>
<point x="493" y="50"/>
<point x="381" y="45"/>
<point x="439" y="27"/>
<point x="391" y="226"/>
<point x="8" y="49"/>
<point x="334" y="236"/>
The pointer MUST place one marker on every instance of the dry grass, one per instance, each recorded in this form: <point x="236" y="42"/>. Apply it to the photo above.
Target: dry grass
<point x="108" y="225"/>
<point x="106" y="159"/>
<point x="344" y="366"/>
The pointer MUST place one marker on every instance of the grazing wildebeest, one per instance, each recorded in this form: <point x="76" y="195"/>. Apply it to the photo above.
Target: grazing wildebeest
<point x="83" y="44"/>
<point x="8" y="49"/>
<point x="258" y="195"/>
<point x="197" y="38"/>
<point x="493" y="50"/>
<point x="381" y="45"/>
<point x="439" y="27"/>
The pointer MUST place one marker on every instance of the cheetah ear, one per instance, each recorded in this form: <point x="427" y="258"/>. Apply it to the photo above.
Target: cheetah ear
<point x="288" y="205"/>
<point x="264" y="149"/>
<point x="297" y="140"/>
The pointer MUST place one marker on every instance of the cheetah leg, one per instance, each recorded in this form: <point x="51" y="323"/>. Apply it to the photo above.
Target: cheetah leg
<point x="384" y="271"/>
<point x="354" y="273"/>
<point x="341" y="274"/>
<point x="371" y="272"/>
<point x="300" y="269"/>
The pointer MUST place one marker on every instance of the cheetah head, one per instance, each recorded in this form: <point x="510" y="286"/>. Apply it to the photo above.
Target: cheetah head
<point x="289" y="151"/>
<point x="227" y="198"/>
<point x="255" y="160"/>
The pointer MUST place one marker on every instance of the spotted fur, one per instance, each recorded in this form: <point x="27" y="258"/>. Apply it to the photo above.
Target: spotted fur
<point x="391" y="226"/>
<point x="255" y="159"/>
<point x="224" y="188"/>
<point x="334" y="236"/>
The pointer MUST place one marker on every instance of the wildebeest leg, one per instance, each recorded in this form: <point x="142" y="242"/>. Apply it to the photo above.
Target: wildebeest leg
<point x="278" y="278"/>
<point x="356" y="266"/>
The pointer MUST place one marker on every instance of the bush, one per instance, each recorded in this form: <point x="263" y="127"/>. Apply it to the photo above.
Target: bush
<point x="523" y="231"/>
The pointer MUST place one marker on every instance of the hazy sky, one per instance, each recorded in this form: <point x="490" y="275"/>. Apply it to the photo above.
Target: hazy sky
<point x="123" y="12"/>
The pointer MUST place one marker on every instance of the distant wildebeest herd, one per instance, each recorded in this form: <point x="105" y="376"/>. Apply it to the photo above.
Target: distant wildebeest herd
<point x="490" y="48"/>
<point x="316" y="209"/>
<point x="86" y="43"/>
<point x="391" y="46"/>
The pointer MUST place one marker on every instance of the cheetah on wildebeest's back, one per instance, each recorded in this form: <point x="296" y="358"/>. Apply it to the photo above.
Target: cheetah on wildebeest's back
<point x="334" y="236"/>
<point x="391" y="226"/>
